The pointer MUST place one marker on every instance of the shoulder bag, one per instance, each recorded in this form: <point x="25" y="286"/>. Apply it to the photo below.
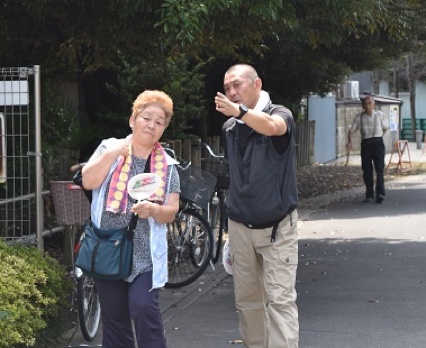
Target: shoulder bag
<point x="106" y="254"/>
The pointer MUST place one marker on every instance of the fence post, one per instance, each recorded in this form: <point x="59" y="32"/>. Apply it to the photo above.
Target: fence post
<point x="186" y="149"/>
<point x="38" y="169"/>
<point x="215" y="145"/>
<point x="196" y="153"/>
<point x="177" y="147"/>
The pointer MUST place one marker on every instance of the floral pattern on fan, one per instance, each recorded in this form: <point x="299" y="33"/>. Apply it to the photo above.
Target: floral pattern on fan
<point x="143" y="186"/>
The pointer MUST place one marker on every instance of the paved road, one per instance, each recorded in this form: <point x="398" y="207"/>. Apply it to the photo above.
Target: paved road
<point x="362" y="273"/>
<point x="361" y="278"/>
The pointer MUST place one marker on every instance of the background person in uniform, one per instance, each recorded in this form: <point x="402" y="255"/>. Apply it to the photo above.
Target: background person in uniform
<point x="372" y="125"/>
<point x="261" y="205"/>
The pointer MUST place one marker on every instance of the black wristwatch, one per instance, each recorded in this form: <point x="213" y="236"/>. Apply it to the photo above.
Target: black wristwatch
<point x="243" y="111"/>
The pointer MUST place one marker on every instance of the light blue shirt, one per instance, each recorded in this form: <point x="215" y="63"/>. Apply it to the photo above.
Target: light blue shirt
<point x="158" y="232"/>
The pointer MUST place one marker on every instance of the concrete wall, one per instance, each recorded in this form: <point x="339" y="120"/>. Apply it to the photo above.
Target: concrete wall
<point x="345" y="114"/>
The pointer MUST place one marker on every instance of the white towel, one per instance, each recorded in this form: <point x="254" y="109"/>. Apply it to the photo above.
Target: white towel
<point x="264" y="99"/>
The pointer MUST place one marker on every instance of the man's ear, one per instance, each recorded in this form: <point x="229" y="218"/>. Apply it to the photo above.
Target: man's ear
<point x="258" y="83"/>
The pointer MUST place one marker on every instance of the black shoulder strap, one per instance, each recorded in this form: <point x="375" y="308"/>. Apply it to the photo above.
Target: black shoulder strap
<point x="134" y="218"/>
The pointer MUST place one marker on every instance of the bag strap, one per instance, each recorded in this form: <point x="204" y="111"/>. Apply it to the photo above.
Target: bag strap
<point x="132" y="226"/>
<point x="134" y="219"/>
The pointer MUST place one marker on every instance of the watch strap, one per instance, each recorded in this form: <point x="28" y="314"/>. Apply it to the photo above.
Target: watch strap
<point x="243" y="111"/>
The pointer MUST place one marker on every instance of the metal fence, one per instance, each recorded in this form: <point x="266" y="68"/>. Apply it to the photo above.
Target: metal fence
<point x="305" y="137"/>
<point x="20" y="157"/>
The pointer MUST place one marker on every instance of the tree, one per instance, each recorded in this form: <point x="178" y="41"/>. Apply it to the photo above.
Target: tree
<point x="415" y="60"/>
<point x="298" y="46"/>
<point x="111" y="48"/>
<point x="410" y="66"/>
<point x="416" y="69"/>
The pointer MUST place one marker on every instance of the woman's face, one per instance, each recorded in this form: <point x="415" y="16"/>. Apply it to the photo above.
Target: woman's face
<point x="148" y="125"/>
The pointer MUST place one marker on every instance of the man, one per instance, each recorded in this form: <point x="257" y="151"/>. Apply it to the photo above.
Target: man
<point x="261" y="205"/>
<point x="372" y="125"/>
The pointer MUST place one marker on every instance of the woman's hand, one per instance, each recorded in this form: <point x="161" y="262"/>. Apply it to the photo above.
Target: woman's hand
<point x="121" y="148"/>
<point x="96" y="170"/>
<point x="145" y="209"/>
<point x="161" y="213"/>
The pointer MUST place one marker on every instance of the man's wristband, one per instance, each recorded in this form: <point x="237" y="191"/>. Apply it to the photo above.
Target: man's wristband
<point x="243" y="111"/>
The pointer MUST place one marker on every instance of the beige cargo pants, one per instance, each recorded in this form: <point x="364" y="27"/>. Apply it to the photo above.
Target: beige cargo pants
<point x="264" y="281"/>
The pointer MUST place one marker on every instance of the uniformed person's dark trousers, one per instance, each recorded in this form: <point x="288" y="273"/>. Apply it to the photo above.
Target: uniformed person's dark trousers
<point x="373" y="153"/>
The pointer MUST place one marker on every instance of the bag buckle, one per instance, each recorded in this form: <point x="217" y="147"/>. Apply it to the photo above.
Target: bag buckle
<point x="130" y="233"/>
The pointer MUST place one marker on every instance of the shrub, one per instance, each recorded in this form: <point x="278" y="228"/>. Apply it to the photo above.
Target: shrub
<point x="33" y="289"/>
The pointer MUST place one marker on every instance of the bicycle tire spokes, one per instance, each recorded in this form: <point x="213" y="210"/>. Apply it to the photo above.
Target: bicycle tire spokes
<point x="89" y="309"/>
<point x="189" y="239"/>
<point x="198" y="243"/>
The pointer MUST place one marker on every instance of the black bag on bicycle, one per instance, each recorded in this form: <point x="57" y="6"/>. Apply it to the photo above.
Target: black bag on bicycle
<point x="78" y="180"/>
<point x="106" y="254"/>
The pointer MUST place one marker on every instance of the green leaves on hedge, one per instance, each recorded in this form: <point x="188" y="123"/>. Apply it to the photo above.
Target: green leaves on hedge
<point x="33" y="287"/>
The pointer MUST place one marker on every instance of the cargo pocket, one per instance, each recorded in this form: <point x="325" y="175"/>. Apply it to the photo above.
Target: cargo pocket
<point x="289" y="256"/>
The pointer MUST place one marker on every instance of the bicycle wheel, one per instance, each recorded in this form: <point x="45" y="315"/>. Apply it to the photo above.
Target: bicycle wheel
<point x="217" y="223"/>
<point x="89" y="308"/>
<point x="190" y="245"/>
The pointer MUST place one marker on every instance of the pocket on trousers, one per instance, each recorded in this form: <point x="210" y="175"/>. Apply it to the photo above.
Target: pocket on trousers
<point x="289" y="256"/>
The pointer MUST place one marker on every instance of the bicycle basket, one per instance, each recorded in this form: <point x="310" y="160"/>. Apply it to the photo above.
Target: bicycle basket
<point x="71" y="205"/>
<point x="197" y="186"/>
<point x="218" y="167"/>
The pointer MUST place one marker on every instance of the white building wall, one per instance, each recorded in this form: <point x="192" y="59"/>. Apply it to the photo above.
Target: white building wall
<point x="420" y="102"/>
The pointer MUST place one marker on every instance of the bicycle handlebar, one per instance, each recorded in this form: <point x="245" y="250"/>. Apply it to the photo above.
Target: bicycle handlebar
<point x="208" y="148"/>
<point x="76" y="167"/>
<point x="184" y="165"/>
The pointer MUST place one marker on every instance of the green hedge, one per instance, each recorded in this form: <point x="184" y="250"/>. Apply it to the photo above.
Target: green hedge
<point x="33" y="289"/>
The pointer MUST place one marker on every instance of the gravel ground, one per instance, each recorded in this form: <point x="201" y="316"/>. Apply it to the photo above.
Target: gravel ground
<point x="315" y="180"/>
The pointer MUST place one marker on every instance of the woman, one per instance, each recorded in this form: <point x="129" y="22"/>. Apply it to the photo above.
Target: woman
<point x="114" y="162"/>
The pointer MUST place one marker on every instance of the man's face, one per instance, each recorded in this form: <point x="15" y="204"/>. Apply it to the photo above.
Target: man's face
<point x="368" y="105"/>
<point x="240" y="89"/>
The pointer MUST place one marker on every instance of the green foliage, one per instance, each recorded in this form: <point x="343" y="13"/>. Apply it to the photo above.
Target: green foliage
<point x="183" y="82"/>
<point x="238" y="25"/>
<point x="62" y="129"/>
<point x="300" y="46"/>
<point x="185" y="86"/>
<point x="221" y="27"/>
<point x="33" y="289"/>
<point x="123" y="47"/>
<point x="73" y="37"/>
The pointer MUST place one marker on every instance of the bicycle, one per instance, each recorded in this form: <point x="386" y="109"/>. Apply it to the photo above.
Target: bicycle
<point x="217" y="166"/>
<point x="189" y="236"/>
<point x="88" y="305"/>
<point x="85" y="300"/>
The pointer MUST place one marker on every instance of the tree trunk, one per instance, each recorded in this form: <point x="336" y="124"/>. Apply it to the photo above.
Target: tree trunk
<point x="412" y="90"/>
<point x="376" y="81"/>
<point x="395" y="86"/>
